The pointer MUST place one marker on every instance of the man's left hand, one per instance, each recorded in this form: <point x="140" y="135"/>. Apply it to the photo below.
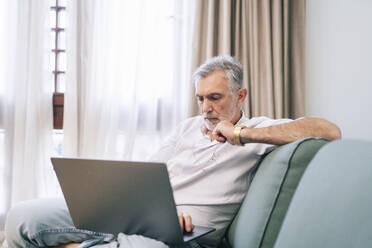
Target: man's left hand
<point x="185" y="222"/>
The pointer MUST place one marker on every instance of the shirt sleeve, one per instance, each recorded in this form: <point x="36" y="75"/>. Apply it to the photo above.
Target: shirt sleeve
<point x="267" y="122"/>
<point x="167" y="148"/>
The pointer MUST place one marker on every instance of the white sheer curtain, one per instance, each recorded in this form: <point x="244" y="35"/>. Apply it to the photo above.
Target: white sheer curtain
<point x="127" y="85"/>
<point x="25" y="102"/>
<point x="127" y="78"/>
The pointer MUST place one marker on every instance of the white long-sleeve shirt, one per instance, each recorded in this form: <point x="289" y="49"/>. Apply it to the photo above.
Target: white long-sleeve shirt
<point x="209" y="178"/>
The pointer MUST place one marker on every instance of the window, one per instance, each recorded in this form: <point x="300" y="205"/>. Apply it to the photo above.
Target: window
<point x="58" y="58"/>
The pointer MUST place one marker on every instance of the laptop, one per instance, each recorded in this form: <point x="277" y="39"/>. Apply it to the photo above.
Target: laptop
<point x="120" y="196"/>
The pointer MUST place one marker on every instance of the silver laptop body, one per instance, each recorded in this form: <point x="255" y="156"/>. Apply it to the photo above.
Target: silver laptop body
<point x="119" y="196"/>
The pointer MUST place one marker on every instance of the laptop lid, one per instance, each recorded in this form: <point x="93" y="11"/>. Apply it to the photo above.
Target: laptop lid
<point x="120" y="196"/>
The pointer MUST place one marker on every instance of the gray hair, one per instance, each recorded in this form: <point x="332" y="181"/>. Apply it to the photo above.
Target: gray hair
<point x="230" y="66"/>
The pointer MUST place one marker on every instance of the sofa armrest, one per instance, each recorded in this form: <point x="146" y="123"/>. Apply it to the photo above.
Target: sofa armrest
<point x="332" y="205"/>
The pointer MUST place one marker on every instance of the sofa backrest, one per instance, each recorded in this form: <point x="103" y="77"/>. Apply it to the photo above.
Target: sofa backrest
<point x="260" y="217"/>
<point x="332" y="206"/>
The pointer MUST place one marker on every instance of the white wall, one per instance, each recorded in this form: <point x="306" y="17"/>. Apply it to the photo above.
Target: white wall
<point x="339" y="64"/>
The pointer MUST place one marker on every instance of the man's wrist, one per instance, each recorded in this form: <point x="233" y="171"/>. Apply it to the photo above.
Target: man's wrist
<point x="237" y="132"/>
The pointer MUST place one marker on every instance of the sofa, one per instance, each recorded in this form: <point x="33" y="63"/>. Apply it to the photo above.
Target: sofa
<point x="310" y="193"/>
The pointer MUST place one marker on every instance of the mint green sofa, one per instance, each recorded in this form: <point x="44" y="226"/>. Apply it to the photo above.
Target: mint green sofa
<point x="310" y="193"/>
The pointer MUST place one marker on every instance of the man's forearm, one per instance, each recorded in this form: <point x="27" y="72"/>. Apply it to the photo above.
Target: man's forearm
<point x="71" y="245"/>
<point x="289" y="132"/>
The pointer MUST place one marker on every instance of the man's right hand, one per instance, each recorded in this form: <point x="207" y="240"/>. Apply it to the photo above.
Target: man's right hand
<point x="185" y="222"/>
<point x="224" y="131"/>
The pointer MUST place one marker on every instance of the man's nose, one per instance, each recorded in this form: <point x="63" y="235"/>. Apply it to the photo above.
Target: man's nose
<point x="206" y="106"/>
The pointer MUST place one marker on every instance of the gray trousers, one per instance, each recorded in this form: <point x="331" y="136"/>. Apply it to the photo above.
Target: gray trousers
<point x="47" y="222"/>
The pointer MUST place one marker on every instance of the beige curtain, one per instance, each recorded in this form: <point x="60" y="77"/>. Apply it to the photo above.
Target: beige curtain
<point x="268" y="38"/>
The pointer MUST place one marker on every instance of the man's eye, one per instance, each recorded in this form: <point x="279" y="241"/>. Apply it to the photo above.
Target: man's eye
<point x="200" y="99"/>
<point x="215" y="98"/>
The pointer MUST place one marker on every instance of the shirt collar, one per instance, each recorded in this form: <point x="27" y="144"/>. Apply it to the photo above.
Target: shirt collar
<point x="242" y="119"/>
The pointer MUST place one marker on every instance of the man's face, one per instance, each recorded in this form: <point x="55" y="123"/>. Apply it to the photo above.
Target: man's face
<point x="216" y="101"/>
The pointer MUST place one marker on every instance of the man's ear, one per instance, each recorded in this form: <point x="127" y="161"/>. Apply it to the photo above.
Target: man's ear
<point x="242" y="94"/>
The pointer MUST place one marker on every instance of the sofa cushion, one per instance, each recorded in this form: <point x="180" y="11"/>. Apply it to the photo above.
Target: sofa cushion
<point x="260" y="216"/>
<point x="332" y="206"/>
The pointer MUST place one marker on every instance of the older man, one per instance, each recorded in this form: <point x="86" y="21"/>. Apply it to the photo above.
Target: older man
<point x="209" y="167"/>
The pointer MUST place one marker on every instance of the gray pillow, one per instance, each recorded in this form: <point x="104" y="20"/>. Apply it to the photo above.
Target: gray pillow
<point x="260" y="217"/>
